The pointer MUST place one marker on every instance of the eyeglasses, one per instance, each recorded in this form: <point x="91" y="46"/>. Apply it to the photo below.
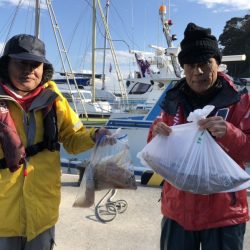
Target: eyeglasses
<point x="202" y="65"/>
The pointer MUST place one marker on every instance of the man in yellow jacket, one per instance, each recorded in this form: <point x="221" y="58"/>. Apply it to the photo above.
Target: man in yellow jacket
<point x="34" y="119"/>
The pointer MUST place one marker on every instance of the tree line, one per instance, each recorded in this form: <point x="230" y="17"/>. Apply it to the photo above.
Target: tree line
<point x="235" y="40"/>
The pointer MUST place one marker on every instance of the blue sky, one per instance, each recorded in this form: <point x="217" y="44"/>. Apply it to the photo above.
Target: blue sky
<point x="135" y="23"/>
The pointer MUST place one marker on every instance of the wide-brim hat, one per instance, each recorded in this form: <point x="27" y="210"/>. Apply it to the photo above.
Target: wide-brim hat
<point x="25" y="47"/>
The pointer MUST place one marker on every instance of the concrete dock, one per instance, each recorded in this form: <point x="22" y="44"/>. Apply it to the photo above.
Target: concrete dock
<point x="138" y="228"/>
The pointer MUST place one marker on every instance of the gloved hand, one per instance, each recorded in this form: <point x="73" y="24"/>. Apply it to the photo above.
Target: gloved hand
<point x="103" y="136"/>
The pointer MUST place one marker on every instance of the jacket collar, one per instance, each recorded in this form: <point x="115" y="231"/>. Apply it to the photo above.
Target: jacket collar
<point x="224" y="96"/>
<point x="45" y="98"/>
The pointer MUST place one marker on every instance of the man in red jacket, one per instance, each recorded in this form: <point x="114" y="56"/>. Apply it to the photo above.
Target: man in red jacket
<point x="215" y="221"/>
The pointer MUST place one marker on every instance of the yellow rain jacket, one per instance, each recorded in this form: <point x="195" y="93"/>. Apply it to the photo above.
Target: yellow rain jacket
<point x="30" y="205"/>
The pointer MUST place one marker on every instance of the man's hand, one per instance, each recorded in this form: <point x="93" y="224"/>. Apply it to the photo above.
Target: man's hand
<point x="161" y="128"/>
<point x="103" y="136"/>
<point x="215" y="125"/>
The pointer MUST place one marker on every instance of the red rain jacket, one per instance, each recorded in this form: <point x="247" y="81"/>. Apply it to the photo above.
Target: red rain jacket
<point x="198" y="212"/>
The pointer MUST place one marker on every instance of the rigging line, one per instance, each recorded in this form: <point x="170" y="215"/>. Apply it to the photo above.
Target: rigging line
<point x="32" y="21"/>
<point x="158" y="33"/>
<point x="73" y="35"/>
<point x="145" y="27"/>
<point x="8" y="21"/>
<point x="101" y="33"/>
<point x="91" y="6"/>
<point x="87" y="46"/>
<point x="75" y="28"/>
<point x="129" y="58"/>
<point x="99" y="29"/>
<point x="97" y="21"/>
<point x="160" y="38"/>
<point x="132" y="24"/>
<point x="124" y="25"/>
<point x="71" y="40"/>
<point x="84" y="45"/>
<point x="27" y="18"/>
<point x="168" y="9"/>
<point x="12" y="22"/>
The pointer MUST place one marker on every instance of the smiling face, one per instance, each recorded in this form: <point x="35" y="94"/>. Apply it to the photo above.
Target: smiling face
<point x="25" y="75"/>
<point x="201" y="76"/>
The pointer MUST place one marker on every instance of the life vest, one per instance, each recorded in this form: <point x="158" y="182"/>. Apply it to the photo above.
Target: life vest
<point x="14" y="152"/>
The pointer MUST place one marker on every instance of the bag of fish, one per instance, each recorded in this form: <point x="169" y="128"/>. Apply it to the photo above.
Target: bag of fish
<point x="112" y="165"/>
<point x="191" y="160"/>
<point x="109" y="168"/>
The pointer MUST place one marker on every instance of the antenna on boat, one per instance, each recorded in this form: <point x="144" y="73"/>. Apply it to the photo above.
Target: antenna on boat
<point x="169" y="10"/>
<point x="166" y="23"/>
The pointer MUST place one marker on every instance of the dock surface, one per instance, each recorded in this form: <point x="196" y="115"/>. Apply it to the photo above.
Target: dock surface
<point x="138" y="228"/>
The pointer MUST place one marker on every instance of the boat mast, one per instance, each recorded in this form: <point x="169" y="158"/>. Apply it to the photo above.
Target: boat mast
<point x="116" y="64"/>
<point x="37" y="19"/>
<point x="105" y="45"/>
<point x="93" y="49"/>
<point x="166" y="23"/>
<point x="67" y="68"/>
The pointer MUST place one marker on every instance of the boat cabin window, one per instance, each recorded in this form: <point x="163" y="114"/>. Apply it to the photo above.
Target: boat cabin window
<point x="140" y="88"/>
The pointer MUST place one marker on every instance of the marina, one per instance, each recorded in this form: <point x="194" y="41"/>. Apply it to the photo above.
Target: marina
<point x="133" y="108"/>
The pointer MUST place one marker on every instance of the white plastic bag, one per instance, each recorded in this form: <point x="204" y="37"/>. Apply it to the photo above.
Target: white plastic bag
<point x="191" y="160"/>
<point x="110" y="167"/>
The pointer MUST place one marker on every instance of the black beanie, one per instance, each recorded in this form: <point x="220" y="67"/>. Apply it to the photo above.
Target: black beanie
<point x="198" y="45"/>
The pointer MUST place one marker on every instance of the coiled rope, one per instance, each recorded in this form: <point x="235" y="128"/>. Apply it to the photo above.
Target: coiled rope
<point x="106" y="209"/>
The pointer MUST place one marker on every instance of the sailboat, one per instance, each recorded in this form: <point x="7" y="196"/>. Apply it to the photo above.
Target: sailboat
<point x="136" y="127"/>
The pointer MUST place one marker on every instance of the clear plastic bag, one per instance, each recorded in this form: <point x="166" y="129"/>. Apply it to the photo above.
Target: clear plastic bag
<point x="110" y="167"/>
<point x="113" y="168"/>
<point x="191" y="160"/>
<point x="86" y="193"/>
